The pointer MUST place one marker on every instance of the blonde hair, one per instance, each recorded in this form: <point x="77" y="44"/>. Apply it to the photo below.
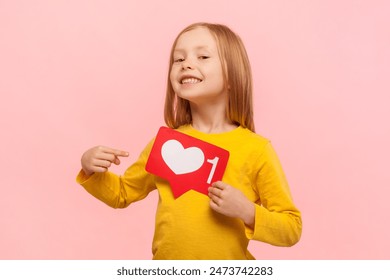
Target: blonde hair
<point x="237" y="77"/>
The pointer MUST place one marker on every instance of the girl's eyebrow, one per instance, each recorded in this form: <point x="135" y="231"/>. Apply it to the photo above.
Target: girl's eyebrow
<point x="196" y="48"/>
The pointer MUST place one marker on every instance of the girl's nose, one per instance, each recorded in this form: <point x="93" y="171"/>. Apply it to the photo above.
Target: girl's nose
<point x="186" y="64"/>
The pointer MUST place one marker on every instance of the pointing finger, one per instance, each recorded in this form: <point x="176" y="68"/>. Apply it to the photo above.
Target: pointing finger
<point x="116" y="152"/>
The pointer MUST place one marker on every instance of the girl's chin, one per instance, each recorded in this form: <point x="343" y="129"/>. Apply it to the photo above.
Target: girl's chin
<point x="202" y="99"/>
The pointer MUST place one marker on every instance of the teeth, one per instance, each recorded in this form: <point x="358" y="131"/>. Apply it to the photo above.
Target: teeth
<point x="190" y="81"/>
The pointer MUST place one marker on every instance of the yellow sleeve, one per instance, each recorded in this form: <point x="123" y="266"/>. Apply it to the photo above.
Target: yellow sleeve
<point x="277" y="220"/>
<point x="119" y="191"/>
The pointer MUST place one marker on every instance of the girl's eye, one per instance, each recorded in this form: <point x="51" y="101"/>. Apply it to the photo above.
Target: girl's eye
<point x="204" y="57"/>
<point x="178" y="60"/>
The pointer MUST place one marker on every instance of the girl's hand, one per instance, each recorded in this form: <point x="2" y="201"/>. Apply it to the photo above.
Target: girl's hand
<point x="99" y="159"/>
<point x="231" y="202"/>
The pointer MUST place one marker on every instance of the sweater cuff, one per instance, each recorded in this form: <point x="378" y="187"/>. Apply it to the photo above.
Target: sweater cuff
<point x="259" y="215"/>
<point x="82" y="177"/>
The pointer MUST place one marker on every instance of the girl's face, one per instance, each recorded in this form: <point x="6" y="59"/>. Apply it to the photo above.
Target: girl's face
<point x="197" y="73"/>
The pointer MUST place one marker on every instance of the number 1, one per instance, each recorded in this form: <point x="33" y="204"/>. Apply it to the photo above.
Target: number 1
<point x="214" y="162"/>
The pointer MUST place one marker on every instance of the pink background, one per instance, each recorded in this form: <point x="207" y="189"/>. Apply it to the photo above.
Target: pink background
<point x="75" y="74"/>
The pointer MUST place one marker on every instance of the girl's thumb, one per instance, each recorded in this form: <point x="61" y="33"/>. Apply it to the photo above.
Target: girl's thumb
<point x="117" y="161"/>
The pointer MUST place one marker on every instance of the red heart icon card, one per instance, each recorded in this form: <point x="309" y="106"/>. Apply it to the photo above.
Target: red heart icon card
<point x="186" y="162"/>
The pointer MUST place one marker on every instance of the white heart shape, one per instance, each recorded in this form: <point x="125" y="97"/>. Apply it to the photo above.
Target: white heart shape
<point x="180" y="160"/>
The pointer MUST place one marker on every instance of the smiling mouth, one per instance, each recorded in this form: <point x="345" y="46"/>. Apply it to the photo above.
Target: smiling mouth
<point x="190" y="81"/>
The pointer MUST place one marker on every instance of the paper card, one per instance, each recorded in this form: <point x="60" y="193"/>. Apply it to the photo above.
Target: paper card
<point x="186" y="162"/>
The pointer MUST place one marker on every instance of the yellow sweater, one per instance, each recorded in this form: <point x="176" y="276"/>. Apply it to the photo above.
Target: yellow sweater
<point x="186" y="227"/>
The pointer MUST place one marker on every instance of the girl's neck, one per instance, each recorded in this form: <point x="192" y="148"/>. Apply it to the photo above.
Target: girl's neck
<point x="210" y="118"/>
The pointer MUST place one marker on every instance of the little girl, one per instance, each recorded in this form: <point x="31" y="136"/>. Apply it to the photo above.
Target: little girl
<point x="209" y="97"/>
